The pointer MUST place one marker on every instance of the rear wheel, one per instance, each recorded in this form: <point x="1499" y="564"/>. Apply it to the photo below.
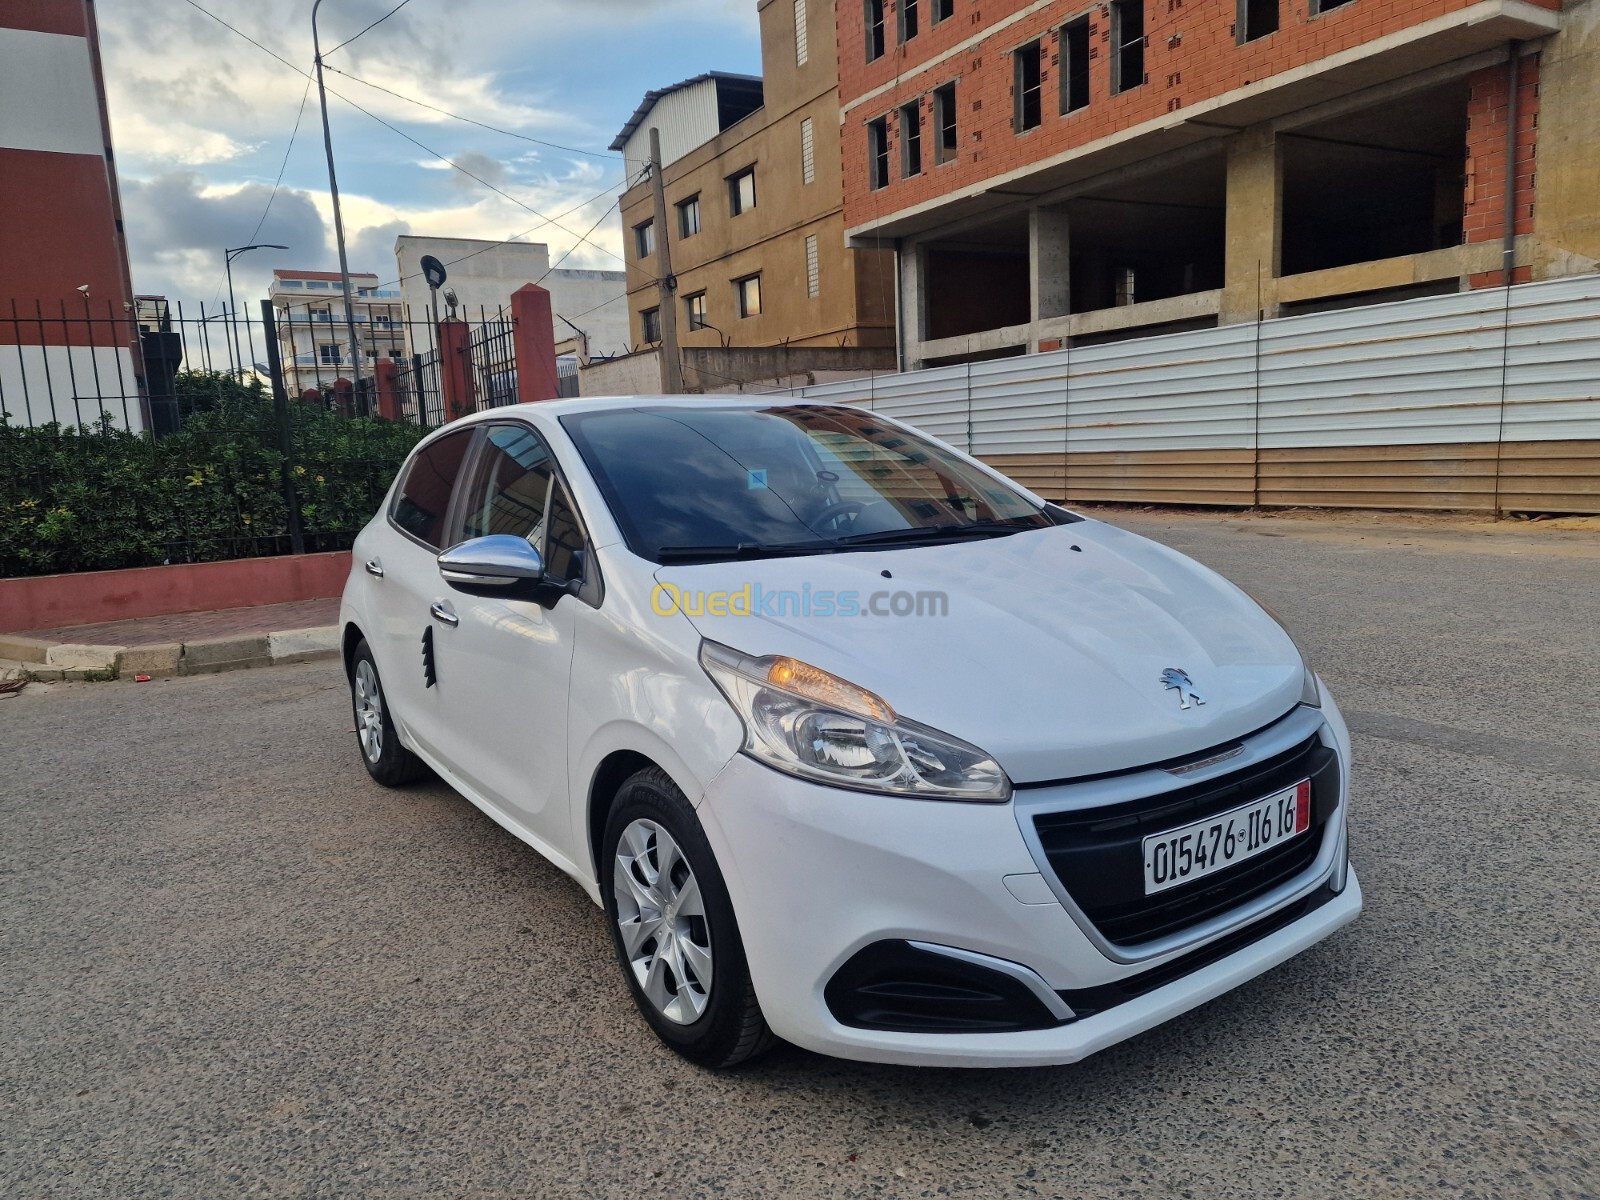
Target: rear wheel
<point x="387" y="761"/>
<point x="673" y="927"/>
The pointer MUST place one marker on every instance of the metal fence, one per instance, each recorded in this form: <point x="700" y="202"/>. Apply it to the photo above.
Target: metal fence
<point x="1487" y="400"/>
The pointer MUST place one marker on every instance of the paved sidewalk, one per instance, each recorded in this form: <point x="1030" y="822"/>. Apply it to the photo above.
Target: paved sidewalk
<point x="179" y="644"/>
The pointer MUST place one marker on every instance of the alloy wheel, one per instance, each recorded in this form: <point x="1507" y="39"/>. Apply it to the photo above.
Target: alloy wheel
<point x="369" y="710"/>
<point x="662" y="920"/>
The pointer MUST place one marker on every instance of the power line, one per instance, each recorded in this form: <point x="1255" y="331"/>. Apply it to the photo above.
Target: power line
<point x="470" y="120"/>
<point x="376" y="23"/>
<point x="395" y="129"/>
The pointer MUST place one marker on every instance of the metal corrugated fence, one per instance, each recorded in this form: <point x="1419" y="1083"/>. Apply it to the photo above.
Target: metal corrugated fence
<point x="1486" y="400"/>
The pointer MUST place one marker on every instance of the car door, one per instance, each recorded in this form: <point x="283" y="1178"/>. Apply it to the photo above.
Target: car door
<point x="401" y="558"/>
<point x="504" y="664"/>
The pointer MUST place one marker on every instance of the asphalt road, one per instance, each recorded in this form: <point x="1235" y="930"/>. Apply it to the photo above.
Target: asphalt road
<point x="232" y="966"/>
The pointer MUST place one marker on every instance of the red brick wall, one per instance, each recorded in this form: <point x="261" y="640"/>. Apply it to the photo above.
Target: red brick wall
<point x="1203" y="64"/>
<point x="1487" y="112"/>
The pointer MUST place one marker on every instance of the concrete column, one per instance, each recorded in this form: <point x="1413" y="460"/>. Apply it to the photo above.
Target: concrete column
<point x="912" y="319"/>
<point x="455" y="369"/>
<point x="534" y="341"/>
<point x="1254" y="238"/>
<point x="1049" y="264"/>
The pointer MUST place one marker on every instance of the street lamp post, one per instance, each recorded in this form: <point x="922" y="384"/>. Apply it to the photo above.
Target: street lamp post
<point x="338" y="216"/>
<point x="228" y="255"/>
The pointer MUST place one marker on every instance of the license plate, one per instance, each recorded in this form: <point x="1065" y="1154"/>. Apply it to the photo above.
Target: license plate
<point x="1192" y="852"/>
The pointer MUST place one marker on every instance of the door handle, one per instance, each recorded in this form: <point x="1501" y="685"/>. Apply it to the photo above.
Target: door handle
<point x="443" y="615"/>
<point x="374" y="568"/>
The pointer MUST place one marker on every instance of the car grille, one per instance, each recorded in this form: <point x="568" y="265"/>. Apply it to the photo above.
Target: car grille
<point x="1097" y="854"/>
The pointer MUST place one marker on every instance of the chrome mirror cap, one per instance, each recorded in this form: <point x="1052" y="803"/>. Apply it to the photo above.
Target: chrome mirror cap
<point x="499" y="560"/>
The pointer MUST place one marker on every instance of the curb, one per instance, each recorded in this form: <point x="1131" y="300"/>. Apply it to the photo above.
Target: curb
<point x="50" y="661"/>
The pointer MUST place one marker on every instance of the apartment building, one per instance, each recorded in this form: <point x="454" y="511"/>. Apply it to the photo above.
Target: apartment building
<point x="751" y="169"/>
<point x="1055" y="172"/>
<point x="313" y="340"/>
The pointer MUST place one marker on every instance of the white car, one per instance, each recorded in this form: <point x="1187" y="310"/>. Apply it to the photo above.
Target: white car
<point x="859" y="744"/>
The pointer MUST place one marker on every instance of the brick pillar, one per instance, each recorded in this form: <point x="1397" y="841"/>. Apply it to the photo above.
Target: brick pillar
<point x="455" y="369"/>
<point x="387" y="383"/>
<point x="533" y="338"/>
<point x="1485" y="198"/>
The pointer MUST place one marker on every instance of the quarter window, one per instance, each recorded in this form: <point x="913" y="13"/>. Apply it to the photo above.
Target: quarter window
<point x="742" y="191"/>
<point x="422" y="506"/>
<point x="748" y="293"/>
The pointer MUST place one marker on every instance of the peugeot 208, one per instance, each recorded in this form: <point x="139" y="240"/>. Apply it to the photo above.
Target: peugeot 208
<point x="859" y="743"/>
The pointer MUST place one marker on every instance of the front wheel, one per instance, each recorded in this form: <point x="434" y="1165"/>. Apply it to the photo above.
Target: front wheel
<point x="673" y="927"/>
<point x="386" y="760"/>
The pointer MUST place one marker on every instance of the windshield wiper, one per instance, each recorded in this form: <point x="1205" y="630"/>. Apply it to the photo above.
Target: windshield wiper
<point x="936" y="533"/>
<point x="739" y="550"/>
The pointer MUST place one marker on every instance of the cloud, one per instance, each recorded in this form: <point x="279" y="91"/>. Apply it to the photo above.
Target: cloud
<point x="178" y="226"/>
<point x="373" y="248"/>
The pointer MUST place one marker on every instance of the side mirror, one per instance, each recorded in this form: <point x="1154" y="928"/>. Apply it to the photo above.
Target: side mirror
<point x="497" y="565"/>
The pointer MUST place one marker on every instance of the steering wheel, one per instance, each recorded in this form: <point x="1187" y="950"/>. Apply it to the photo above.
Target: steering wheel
<point x="831" y="514"/>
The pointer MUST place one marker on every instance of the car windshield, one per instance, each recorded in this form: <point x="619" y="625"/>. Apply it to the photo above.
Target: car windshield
<point x="689" y="482"/>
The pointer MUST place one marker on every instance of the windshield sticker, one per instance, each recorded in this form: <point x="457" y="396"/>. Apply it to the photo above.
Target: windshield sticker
<point x="756" y="481"/>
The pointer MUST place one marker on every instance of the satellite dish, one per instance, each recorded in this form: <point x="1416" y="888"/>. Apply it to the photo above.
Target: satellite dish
<point x="433" y="271"/>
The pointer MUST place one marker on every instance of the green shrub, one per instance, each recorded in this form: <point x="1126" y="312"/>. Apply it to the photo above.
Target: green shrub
<point x="96" y="497"/>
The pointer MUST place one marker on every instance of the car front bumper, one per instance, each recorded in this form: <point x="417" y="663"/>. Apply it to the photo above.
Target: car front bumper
<point x="817" y="873"/>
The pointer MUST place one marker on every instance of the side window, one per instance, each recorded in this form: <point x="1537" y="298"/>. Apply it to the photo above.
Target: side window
<point x="513" y="490"/>
<point x="423" y="503"/>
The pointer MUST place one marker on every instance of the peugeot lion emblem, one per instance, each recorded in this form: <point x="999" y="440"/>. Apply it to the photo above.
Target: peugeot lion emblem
<point x="1176" y="680"/>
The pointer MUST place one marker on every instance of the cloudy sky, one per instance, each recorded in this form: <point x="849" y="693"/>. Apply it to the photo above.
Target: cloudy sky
<point x="202" y="124"/>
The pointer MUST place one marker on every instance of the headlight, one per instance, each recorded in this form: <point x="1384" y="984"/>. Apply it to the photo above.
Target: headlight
<point x="1310" y="693"/>
<point x="807" y="722"/>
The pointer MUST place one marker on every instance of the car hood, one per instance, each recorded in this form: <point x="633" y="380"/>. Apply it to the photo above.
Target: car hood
<point x="1049" y="655"/>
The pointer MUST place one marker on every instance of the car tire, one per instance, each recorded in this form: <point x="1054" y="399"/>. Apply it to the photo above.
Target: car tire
<point x="387" y="761"/>
<point x="668" y="932"/>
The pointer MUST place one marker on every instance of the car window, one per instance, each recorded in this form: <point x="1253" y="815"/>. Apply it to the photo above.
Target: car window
<point x="513" y="489"/>
<point x="798" y="476"/>
<point x="423" y="504"/>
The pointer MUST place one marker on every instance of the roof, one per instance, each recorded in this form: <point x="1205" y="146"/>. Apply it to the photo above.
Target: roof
<point x="280" y="273"/>
<point x="650" y="98"/>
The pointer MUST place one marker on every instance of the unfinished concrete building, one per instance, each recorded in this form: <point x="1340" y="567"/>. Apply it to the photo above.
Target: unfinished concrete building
<point x="1057" y="172"/>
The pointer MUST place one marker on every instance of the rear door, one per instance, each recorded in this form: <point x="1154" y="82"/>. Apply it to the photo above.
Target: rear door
<point x="405" y="585"/>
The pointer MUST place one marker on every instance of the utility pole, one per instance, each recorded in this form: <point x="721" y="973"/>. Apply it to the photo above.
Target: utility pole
<point x="338" y="217"/>
<point x="666" y="282"/>
<point x="228" y="255"/>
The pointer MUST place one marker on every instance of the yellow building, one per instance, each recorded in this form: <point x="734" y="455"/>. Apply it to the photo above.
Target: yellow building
<point x="751" y="170"/>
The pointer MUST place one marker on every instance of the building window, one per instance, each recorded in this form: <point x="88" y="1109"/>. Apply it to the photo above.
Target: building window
<point x="650" y="321"/>
<point x="1127" y="42"/>
<point x="908" y="20"/>
<point x="911" y="139"/>
<point x="694" y="311"/>
<point x="748" y="293"/>
<point x="1257" y="18"/>
<point x="874" y="29"/>
<point x="813" y="268"/>
<point x="1123" y="281"/>
<point x="1028" y="87"/>
<point x="328" y="355"/>
<point x="644" y="239"/>
<point x="802" y="50"/>
<point x="1075" y="66"/>
<point x="290" y="283"/>
<point x="1322" y="6"/>
<point x="808" y="152"/>
<point x="945" y="146"/>
<point x="878" y="152"/>
<point x="742" y="191"/>
<point x="689" y="216"/>
<point x="943" y="10"/>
